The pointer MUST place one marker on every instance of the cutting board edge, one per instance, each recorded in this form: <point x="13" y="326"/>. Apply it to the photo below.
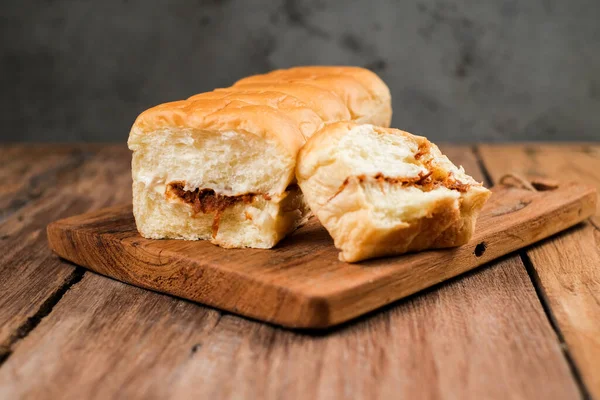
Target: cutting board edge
<point x="315" y="310"/>
<point x="318" y="310"/>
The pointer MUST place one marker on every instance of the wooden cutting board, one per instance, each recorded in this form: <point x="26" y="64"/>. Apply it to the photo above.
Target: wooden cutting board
<point x="301" y="283"/>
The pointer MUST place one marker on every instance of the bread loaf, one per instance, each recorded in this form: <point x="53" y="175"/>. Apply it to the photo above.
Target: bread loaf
<point x="383" y="191"/>
<point x="220" y="165"/>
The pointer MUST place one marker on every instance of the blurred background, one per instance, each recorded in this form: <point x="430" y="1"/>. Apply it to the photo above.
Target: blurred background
<point x="459" y="70"/>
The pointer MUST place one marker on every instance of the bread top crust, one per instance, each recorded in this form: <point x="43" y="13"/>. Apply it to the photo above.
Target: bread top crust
<point x="368" y="80"/>
<point x="303" y="116"/>
<point x="328" y="105"/>
<point x="362" y="91"/>
<point x="219" y="115"/>
<point x="285" y="106"/>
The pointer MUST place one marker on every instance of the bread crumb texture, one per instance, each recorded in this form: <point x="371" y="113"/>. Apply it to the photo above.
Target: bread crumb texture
<point x="381" y="191"/>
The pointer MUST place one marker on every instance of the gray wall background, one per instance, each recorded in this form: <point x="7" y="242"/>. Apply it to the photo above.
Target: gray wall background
<point x="459" y="70"/>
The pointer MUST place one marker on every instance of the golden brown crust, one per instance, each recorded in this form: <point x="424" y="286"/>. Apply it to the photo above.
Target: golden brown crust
<point x="219" y="115"/>
<point x="284" y="105"/>
<point x="365" y="95"/>
<point x="304" y="117"/>
<point x="328" y="105"/>
<point x="368" y="80"/>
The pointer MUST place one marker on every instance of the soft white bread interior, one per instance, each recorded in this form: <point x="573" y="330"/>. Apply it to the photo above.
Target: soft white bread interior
<point x="381" y="191"/>
<point x="220" y="165"/>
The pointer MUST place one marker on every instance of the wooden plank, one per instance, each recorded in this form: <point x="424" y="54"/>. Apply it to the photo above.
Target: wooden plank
<point x="302" y="283"/>
<point x="106" y="339"/>
<point x="427" y="347"/>
<point x="97" y="332"/>
<point x="481" y="336"/>
<point x="567" y="267"/>
<point x="40" y="184"/>
<point x="28" y="172"/>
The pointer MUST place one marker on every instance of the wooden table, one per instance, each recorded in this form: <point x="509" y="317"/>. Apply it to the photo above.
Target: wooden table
<point x="526" y="326"/>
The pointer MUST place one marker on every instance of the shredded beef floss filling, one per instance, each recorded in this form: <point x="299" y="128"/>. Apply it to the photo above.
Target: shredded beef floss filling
<point x="424" y="181"/>
<point x="207" y="201"/>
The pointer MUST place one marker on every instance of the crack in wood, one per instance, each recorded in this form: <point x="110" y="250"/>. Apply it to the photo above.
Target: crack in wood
<point x="535" y="281"/>
<point x="33" y="321"/>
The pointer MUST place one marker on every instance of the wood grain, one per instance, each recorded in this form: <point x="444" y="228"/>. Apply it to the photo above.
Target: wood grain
<point x="302" y="283"/>
<point x="483" y="335"/>
<point x="40" y="184"/>
<point x="567" y="267"/>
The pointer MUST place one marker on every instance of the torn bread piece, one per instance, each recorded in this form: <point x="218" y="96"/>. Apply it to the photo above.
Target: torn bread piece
<point x="220" y="166"/>
<point x="381" y="191"/>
